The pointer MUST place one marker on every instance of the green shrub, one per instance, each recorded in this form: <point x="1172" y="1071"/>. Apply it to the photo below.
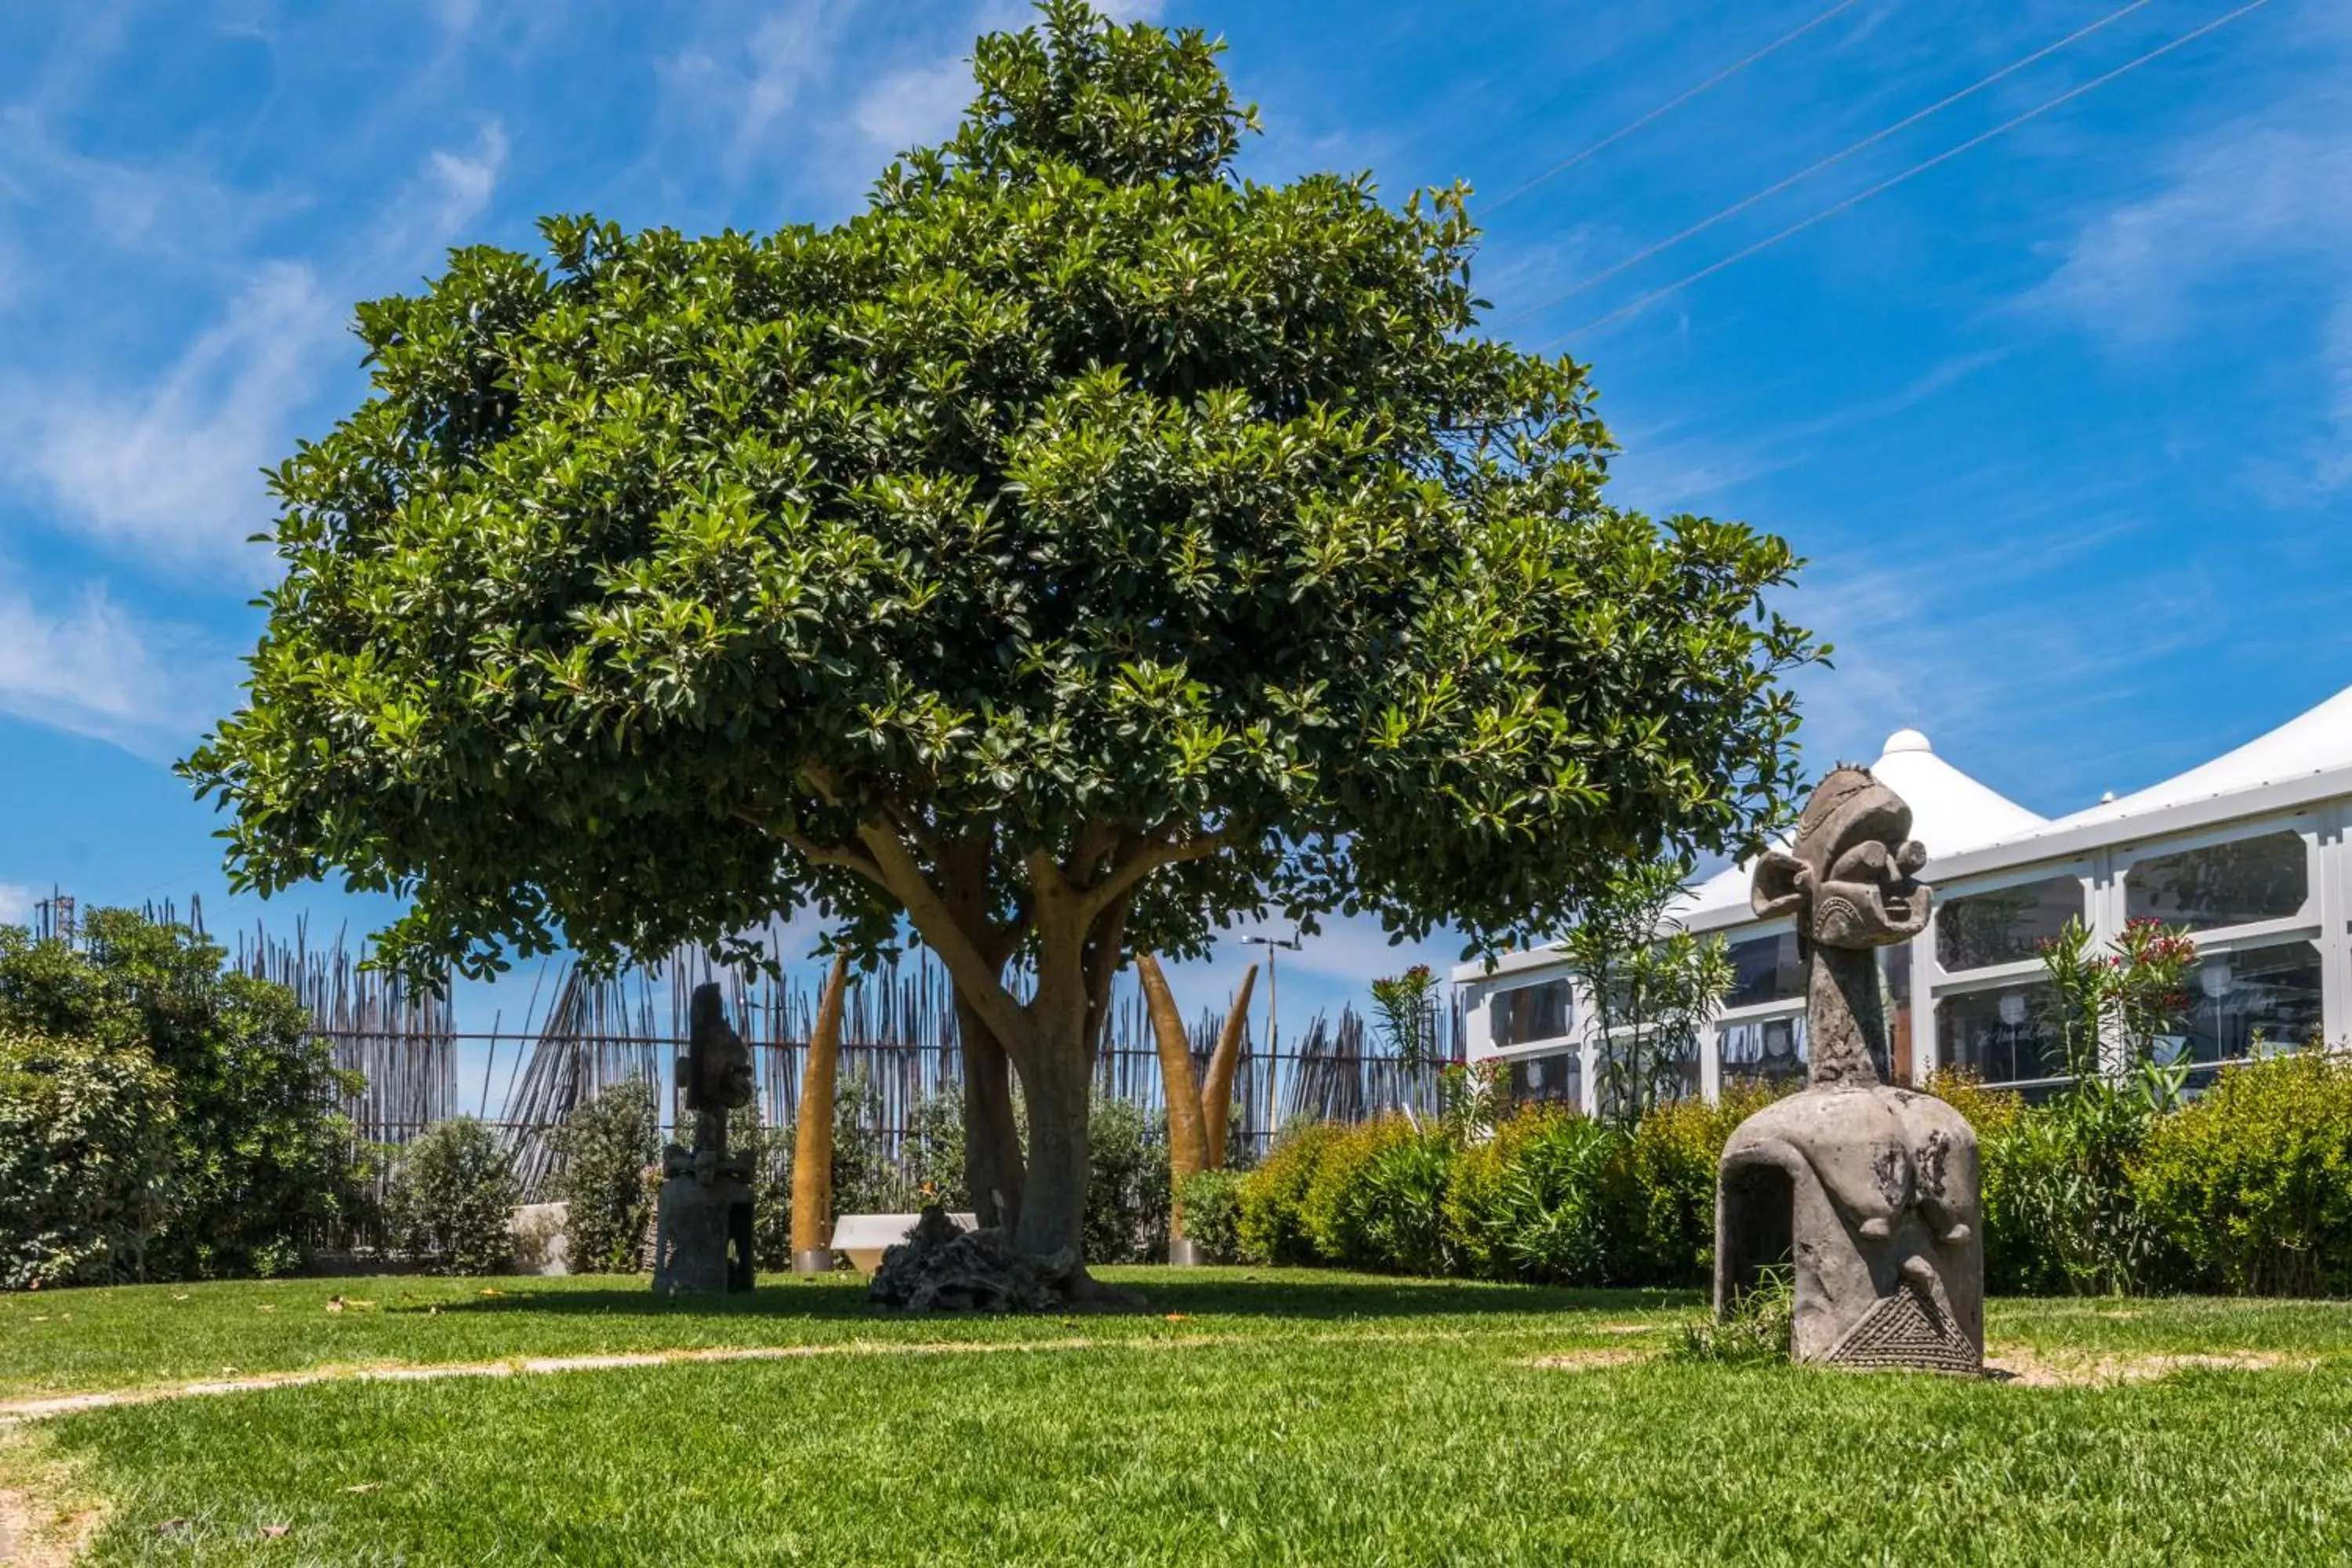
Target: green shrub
<point x="84" y="1130"/>
<point x="1212" y="1212"/>
<point x="2253" y="1181"/>
<point x="604" y="1146"/>
<point x="1659" y="1198"/>
<point x="1376" y="1198"/>
<point x="1127" y="1188"/>
<point x="933" y="1152"/>
<point x="1398" y="1207"/>
<point x="2061" y="1216"/>
<point x="1271" y="1227"/>
<point x="1990" y="1111"/>
<point x="1334" y="1209"/>
<point x="1532" y="1202"/>
<point x="453" y="1190"/>
<point x="259" y="1156"/>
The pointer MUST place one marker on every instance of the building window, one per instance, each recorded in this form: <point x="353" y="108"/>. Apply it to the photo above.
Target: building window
<point x="2247" y="1004"/>
<point x="1555" y="1077"/>
<point x="2004" y="925"/>
<point x="1765" y="968"/>
<point x="2266" y="878"/>
<point x="2003" y="1035"/>
<point x="1765" y="1050"/>
<point x="1526" y="1014"/>
<point x="1669" y="1078"/>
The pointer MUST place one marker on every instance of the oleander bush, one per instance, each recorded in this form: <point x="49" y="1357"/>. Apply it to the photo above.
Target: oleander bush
<point x="1530" y="1203"/>
<point x="452" y="1193"/>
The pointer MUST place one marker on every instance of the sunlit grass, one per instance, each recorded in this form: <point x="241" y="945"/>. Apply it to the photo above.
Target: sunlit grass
<point x="1278" y="1417"/>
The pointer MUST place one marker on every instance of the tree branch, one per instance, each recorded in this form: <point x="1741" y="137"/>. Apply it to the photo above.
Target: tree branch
<point x="1155" y="853"/>
<point x="808" y="848"/>
<point x="1097" y="838"/>
<point x="981" y="983"/>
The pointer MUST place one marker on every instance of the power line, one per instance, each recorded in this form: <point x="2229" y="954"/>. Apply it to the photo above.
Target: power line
<point x="1920" y="168"/>
<point x="1816" y="167"/>
<point x="1726" y="74"/>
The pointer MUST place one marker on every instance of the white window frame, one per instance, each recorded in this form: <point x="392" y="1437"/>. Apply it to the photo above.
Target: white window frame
<point x="1939" y="978"/>
<point x="1577" y="1012"/>
<point x="2303" y="825"/>
<point x="1731" y="937"/>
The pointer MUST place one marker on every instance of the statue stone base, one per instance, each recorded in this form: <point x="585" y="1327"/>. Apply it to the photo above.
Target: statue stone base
<point x="1858" y="1189"/>
<point x="1869" y="1193"/>
<point x="703" y="1233"/>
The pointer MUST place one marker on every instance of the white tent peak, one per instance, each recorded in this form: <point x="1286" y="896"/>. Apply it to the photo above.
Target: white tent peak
<point x="1950" y="812"/>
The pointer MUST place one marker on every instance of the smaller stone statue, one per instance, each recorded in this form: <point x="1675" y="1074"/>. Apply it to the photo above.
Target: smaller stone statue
<point x="1869" y="1191"/>
<point x="703" y="1232"/>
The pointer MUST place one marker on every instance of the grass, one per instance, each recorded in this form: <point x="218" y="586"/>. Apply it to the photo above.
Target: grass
<point x="1282" y="1418"/>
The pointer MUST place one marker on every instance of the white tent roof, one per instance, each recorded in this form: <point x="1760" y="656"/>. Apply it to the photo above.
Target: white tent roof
<point x="1949" y="812"/>
<point x="2319" y="742"/>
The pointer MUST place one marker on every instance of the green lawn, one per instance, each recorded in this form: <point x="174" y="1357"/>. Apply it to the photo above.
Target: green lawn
<point x="1282" y="1417"/>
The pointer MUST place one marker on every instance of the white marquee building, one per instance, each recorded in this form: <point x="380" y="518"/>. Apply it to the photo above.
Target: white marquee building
<point x="2249" y="851"/>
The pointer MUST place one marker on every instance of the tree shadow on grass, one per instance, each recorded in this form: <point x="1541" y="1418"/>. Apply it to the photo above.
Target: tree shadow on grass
<point x="1218" y="1293"/>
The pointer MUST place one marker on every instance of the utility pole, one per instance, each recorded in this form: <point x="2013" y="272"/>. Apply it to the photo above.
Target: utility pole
<point x="1273" y="946"/>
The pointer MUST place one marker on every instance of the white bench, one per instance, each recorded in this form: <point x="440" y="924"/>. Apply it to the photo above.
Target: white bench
<point x="864" y="1237"/>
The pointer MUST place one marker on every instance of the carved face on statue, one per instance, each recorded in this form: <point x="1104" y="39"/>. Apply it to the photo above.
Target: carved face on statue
<point x="1851" y="879"/>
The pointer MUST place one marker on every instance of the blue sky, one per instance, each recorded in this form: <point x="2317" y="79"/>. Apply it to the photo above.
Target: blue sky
<point x="2063" y="422"/>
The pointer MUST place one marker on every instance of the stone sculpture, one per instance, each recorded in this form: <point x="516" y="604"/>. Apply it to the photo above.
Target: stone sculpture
<point x="703" y="1232"/>
<point x="1869" y="1191"/>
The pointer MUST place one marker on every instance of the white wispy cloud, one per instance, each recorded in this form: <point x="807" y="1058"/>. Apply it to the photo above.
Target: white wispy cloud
<point x="170" y="468"/>
<point x="2249" y="224"/>
<point x="164" y="466"/>
<point x="914" y="108"/>
<point x="16" y="904"/>
<point x="85" y="664"/>
<point x="2139" y="271"/>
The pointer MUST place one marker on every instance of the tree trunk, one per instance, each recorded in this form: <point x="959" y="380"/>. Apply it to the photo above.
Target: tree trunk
<point x="813" y="1138"/>
<point x="1188" y="1150"/>
<point x="1057" y="1088"/>
<point x="992" y="1169"/>
<point x="1217" y="1092"/>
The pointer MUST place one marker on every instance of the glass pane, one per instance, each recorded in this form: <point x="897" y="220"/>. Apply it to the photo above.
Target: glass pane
<point x="1764" y="1050"/>
<point x="1554" y="1076"/>
<point x="1526" y="1014"/>
<point x="2263" y="878"/>
<point x="2002" y="1035"/>
<point x="2005" y="925"/>
<point x="1671" y="1079"/>
<point x="2248" y="1003"/>
<point x="1766" y="969"/>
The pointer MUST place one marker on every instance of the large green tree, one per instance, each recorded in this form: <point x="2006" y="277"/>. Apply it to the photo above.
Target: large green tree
<point x="1079" y="547"/>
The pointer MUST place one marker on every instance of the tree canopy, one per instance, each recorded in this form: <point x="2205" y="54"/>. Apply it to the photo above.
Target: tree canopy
<point x="1082" y="545"/>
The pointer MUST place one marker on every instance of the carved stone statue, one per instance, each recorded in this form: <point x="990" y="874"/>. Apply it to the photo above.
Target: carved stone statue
<point x="1870" y="1192"/>
<point x="703" y="1232"/>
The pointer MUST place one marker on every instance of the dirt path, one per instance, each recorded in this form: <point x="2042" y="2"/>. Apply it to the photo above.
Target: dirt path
<point x="17" y="1410"/>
